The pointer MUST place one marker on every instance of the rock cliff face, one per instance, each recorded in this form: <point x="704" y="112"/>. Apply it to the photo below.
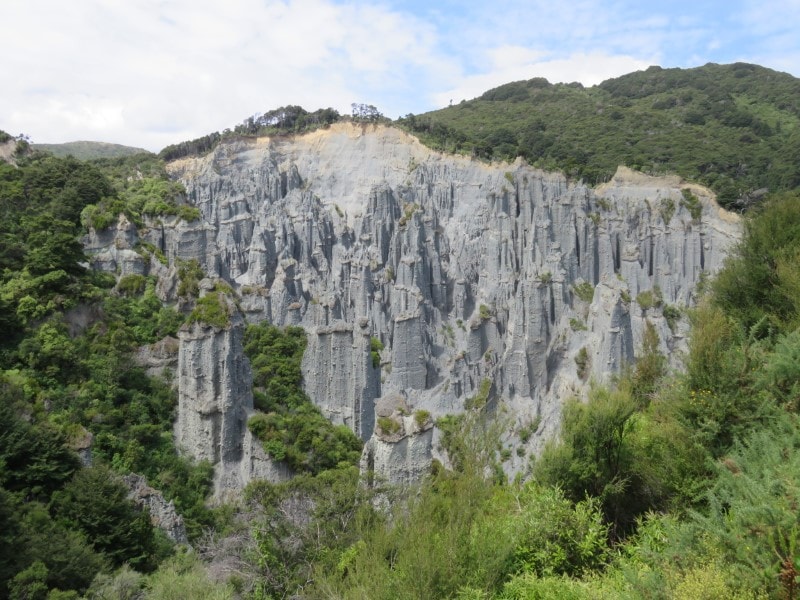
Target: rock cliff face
<point x="162" y="513"/>
<point x="466" y="272"/>
<point x="214" y="402"/>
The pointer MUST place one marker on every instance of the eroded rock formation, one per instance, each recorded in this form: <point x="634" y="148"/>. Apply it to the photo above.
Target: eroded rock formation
<point x="215" y="400"/>
<point x="465" y="272"/>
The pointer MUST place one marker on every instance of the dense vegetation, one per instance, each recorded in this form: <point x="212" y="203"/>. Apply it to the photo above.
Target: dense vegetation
<point x="67" y="378"/>
<point x="731" y="127"/>
<point x="290" y="426"/>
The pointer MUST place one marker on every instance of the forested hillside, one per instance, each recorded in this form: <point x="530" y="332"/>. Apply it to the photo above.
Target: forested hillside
<point x="89" y="150"/>
<point x="68" y="379"/>
<point x="733" y="127"/>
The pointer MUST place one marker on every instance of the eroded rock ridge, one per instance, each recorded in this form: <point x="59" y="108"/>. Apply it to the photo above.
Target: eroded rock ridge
<point x="474" y="277"/>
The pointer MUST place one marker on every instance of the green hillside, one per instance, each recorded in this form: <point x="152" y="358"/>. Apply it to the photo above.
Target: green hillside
<point x="731" y="127"/>
<point x="89" y="150"/>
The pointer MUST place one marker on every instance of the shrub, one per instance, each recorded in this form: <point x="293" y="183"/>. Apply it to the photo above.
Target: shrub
<point x="190" y="274"/>
<point x="132" y="285"/>
<point x="293" y="429"/>
<point x="528" y="430"/>
<point x="582" y="361"/>
<point x="375" y="348"/>
<point x="672" y="314"/>
<point x="479" y="400"/>
<point x="650" y="298"/>
<point x="408" y="211"/>
<point x="422" y="417"/>
<point x="189" y="213"/>
<point x="584" y="290"/>
<point x="692" y="204"/>
<point x="577" y="324"/>
<point x="604" y="203"/>
<point x="485" y="312"/>
<point x="667" y="209"/>
<point x="211" y="309"/>
<point x="760" y="278"/>
<point x="388" y="425"/>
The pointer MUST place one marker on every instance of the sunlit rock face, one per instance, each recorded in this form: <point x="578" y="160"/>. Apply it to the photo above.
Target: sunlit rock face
<point x="465" y="271"/>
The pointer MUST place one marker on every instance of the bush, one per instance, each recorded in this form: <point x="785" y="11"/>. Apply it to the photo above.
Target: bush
<point x="692" y="204"/>
<point x="759" y="279"/>
<point x="481" y="397"/>
<point x="211" y="309"/>
<point x="293" y="429"/>
<point x="484" y="312"/>
<point x="672" y="314"/>
<point x="584" y="290"/>
<point x="650" y="298"/>
<point x="583" y="362"/>
<point x="597" y="457"/>
<point x="388" y="425"/>
<point x="132" y="285"/>
<point x="375" y="348"/>
<point x="189" y="274"/>
<point x="667" y="209"/>
<point x="577" y="324"/>
<point x="96" y="503"/>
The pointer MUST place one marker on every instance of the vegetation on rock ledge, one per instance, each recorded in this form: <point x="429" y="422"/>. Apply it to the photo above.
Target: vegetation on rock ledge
<point x="289" y="425"/>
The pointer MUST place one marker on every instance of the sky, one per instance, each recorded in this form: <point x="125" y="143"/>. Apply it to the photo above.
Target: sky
<point x="149" y="73"/>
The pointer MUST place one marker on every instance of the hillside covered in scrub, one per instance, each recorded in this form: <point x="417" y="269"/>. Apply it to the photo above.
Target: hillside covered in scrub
<point x="733" y="127"/>
<point x="311" y="358"/>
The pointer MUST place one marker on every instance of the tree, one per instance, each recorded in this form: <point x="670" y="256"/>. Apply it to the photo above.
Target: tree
<point x="366" y="113"/>
<point x="95" y="502"/>
<point x="34" y="460"/>
<point x="596" y="457"/>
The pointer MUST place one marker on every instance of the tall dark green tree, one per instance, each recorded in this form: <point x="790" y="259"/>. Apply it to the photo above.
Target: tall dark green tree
<point x="95" y="502"/>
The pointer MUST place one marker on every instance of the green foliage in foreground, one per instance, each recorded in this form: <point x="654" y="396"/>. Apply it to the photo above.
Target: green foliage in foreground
<point x="179" y="578"/>
<point x="761" y="283"/>
<point x="291" y="427"/>
<point x="66" y="378"/>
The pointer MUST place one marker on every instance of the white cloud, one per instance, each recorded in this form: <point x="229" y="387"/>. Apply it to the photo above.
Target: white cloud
<point x="586" y="68"/>
<point x="153" y="72"/>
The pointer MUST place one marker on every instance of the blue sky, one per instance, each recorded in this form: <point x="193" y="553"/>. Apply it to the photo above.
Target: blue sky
<point x="153" y="72"/>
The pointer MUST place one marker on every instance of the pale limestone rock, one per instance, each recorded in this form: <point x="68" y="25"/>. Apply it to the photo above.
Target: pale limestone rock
<point x="464" y="270"/>
<point x="215" y="399"/>
<point x="400" y="458"/>
<point x="162" y="513"/>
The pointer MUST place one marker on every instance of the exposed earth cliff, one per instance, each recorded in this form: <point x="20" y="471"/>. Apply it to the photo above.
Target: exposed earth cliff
<point x="492" y="284"/>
